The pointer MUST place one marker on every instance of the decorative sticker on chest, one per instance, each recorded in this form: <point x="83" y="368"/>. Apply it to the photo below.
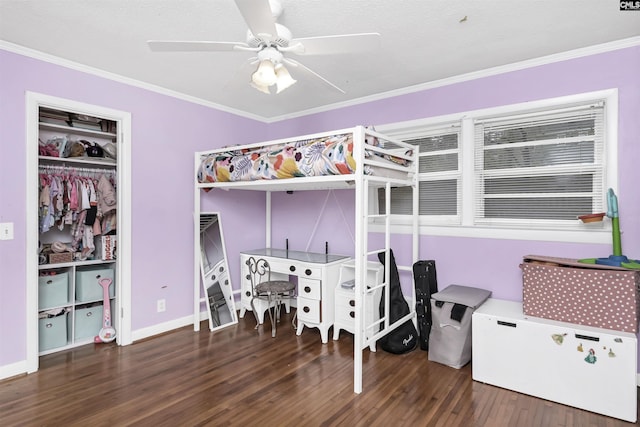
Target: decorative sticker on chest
<point x="591" y="357"/>
<point x="558" y="338"/>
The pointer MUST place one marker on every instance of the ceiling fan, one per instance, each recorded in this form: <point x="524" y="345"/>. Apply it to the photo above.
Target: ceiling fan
<point x="271" y="41"/>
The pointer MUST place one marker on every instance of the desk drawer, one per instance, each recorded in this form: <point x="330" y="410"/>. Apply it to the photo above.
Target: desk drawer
<point x="282" y="266"/>
<point x="309" y="288"/>
<point x="309" y="272"/>
<point x="345" y="313"/>
<point x="345" y="304"/>
<point x="309" y="310"/>
<point x="295" y="268"/>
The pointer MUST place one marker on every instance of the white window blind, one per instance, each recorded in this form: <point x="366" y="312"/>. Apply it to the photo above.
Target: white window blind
<point x="543" y="168"/>
<point x="439" y="174"/>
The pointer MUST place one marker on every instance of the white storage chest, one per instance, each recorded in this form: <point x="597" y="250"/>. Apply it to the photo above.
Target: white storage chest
<point x="581" y="366"/>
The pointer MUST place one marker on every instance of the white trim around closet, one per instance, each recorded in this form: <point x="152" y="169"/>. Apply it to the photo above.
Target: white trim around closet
<point x="123" y="278"/>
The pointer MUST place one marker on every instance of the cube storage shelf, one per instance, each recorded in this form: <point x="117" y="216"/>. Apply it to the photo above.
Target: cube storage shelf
<point x="70" y="303"/>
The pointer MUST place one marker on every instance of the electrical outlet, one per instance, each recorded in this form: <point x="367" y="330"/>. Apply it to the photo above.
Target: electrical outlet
<point x="162" y="305"/>
<point x="6" y="231"/>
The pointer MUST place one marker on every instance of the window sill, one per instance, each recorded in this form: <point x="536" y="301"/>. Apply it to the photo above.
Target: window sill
<point x="600" y="236"/>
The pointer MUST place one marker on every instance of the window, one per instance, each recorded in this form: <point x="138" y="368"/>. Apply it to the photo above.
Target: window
<point x="440" y="175"/>
<point x="546" y="169"/>
<point x="532" y="167"/>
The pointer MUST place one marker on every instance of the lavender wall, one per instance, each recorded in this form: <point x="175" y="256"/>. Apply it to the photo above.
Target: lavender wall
<point x="487" y="263"/>
<point x="167" y="131"/>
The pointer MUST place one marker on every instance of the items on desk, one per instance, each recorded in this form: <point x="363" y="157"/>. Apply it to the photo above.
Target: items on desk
<point x="349" y="284"/>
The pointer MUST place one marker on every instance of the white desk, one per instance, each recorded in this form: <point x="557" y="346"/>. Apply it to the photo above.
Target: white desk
<point x="317" y="276"/>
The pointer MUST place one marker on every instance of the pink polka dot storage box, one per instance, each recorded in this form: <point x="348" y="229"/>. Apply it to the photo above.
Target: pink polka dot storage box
<point x="566" y="290"/>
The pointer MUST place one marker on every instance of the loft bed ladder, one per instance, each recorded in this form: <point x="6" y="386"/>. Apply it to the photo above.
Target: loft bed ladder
<point x="362" y="253"/>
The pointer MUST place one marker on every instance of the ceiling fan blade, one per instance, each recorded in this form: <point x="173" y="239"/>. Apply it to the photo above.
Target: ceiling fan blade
<point x="307" y="70"/>
<point x="194" y="46"/>
<point x="330" y="45"/>
<point x="259" y="18"/>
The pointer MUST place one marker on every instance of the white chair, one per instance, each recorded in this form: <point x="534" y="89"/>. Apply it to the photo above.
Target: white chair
<point x="272" y="291"/>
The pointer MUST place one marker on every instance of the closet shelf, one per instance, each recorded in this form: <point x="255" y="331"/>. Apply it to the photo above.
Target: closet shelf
<point x="75" y="263"/>
<point x="76" y="130"/>
<point x="68" y="346"/>
<point x="99" y="161"/>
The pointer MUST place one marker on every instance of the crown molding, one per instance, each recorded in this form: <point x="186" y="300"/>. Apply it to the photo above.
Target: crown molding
<point x="35" y="54"/>
<point x="488" y="72"/>
<point x="516" y="66"/>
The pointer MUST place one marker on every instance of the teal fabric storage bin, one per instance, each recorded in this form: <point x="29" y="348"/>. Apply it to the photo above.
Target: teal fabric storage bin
<point x="88" y="322"/>
<point x="53" y="290"/>
<point x="52" y="332"/>
<point x="87" y="286"/>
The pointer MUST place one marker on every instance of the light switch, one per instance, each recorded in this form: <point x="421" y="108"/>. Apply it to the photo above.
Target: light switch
<point x="6" y="231"/>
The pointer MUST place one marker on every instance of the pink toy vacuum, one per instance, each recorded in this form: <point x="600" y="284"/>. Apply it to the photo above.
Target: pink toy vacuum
<point x="108" y="332"/>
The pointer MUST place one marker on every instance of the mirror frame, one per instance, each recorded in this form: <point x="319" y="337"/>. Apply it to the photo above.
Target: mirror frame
<point x="218" y="266"/>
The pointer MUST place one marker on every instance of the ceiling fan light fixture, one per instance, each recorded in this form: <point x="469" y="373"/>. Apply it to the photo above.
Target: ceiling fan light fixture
<point x="270" y="41"/>
<point x="284" y="78"/>
<point x="261" y="88"/>
<point x="265" y="75"/>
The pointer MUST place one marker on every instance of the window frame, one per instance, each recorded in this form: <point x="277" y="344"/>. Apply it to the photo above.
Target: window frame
<point x="443" y="128"/>
<point x="465" y="226"/>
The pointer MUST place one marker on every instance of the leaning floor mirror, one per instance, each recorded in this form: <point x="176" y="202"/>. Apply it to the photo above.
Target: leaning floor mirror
<point x="214" y="271"/>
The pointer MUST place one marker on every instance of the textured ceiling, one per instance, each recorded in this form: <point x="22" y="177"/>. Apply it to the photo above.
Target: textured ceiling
<point x="421" y="41"/>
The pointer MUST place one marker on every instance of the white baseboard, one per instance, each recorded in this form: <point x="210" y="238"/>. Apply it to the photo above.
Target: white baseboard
<point x="19" y="368"/>
<point x="161" y="328"/>
<point x="13" y="369"/>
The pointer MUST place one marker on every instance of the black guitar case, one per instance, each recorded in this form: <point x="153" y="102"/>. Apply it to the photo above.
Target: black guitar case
<point x="405" y="337"/>
<point x="424" y="275"/>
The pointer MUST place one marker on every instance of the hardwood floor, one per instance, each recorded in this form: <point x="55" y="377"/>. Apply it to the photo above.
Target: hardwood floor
<point x="240" y="376"/>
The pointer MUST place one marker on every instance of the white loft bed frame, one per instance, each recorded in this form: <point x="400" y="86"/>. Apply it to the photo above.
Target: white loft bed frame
<point x="362" y="184"/>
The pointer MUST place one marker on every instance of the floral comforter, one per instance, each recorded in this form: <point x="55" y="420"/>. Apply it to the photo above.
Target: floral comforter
<point x="331" y="155"/>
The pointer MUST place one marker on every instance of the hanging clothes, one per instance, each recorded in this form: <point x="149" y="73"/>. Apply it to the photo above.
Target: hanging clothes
<point x="84" y="200"/>
<point x="107" y="195"/>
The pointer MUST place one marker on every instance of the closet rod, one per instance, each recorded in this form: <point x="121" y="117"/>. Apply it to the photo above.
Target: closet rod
<point x="66" y="169"/>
